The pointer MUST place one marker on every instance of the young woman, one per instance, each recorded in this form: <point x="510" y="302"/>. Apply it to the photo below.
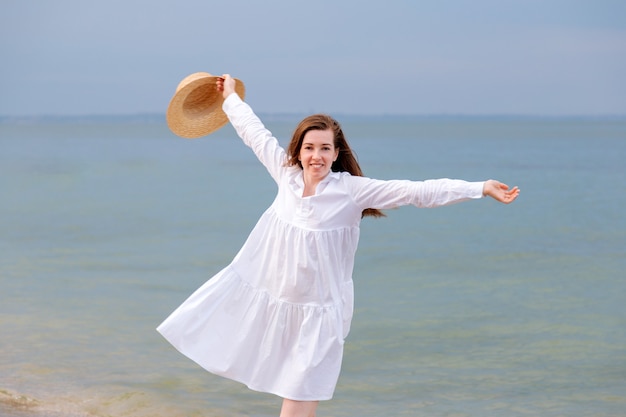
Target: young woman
<point x="276" y="318"/>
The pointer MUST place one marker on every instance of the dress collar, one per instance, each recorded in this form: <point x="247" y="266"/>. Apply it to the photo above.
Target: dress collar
<point x="298" y="181"/>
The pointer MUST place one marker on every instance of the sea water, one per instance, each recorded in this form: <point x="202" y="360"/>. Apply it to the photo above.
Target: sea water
<point x="476" y="309"/>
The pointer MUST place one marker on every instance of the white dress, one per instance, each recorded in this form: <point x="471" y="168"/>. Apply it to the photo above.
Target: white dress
<point x="275" y="319"/>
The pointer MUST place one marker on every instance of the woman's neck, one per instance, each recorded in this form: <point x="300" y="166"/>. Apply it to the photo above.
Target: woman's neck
<point x="310" y="184"/>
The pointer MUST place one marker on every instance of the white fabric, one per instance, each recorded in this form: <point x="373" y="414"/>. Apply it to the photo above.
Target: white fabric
<point x="276" y="318"/>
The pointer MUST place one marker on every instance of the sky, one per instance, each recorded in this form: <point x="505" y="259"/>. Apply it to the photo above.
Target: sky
<point x="480" y="57"/>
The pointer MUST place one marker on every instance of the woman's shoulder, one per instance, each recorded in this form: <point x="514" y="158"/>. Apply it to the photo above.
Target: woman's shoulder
<point x="350" y="179"/>
<point x="341" y="175"/>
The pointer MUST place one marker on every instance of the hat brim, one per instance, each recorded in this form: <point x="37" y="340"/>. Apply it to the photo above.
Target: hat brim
<point x="196" y="108"/>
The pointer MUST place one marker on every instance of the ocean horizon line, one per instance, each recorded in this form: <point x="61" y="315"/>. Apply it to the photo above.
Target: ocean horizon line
<point x="278" y="116"/>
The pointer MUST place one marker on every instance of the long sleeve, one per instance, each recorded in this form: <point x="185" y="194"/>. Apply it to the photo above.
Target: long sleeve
<point x="254" y="134"/>
<point x="380" y="194"/>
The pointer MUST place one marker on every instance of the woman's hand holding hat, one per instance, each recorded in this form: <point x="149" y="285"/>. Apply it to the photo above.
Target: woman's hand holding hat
<point x="226" y="84"/>
<point x="196" y="108"/>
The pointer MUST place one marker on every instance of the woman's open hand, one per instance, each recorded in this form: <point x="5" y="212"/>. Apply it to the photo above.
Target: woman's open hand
<point x="500" y="192"/>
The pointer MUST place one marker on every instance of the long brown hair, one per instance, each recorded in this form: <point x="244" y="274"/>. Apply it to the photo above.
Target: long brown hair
<point x="346" y="161"/>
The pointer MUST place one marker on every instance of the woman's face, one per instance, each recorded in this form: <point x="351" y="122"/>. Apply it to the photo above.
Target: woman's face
<point x="317" y="154"/>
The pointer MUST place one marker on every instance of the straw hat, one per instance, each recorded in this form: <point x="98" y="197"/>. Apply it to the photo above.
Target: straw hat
<point x="196" y="108"/>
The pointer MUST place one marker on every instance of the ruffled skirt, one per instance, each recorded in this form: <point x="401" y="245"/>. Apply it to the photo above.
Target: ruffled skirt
<point x="245" y="334"/>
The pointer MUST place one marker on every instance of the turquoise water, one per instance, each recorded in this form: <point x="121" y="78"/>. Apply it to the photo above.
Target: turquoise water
<point x="477" y="309"/>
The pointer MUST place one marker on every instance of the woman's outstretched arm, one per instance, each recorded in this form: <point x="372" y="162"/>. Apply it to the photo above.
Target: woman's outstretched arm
<point x="251" y="129"/>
